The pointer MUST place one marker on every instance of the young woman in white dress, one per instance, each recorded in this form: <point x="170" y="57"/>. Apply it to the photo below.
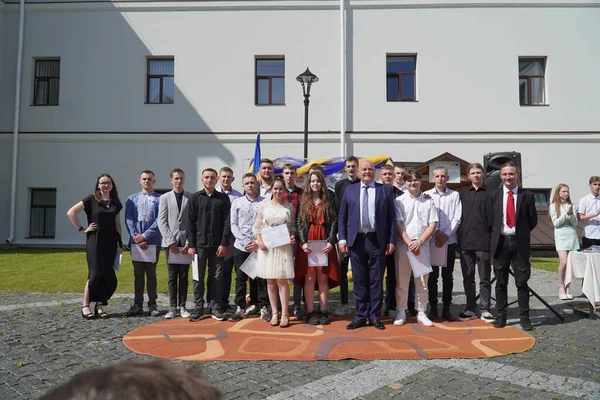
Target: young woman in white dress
<point x="276" y="265"/>
<point x="564" y="218"/>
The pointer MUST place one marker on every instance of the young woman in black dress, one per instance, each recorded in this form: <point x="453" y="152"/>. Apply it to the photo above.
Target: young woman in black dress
<point x="103" y="242"/>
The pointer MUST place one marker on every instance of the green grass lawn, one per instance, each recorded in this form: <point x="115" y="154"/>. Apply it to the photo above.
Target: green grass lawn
<point x="65" y="271"/>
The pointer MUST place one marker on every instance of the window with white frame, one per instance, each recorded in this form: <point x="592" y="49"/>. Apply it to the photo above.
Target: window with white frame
<point x="160" y="79"/>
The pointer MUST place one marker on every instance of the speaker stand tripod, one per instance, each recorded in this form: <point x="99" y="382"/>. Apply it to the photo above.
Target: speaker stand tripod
<point x="531" y="293"/>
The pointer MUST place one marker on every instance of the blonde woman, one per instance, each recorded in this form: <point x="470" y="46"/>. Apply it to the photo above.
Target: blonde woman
<point x="564" y="218"/>
<point x="276" y="265"/>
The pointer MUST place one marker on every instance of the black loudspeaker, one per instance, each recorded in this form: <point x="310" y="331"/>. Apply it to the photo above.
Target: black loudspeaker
<point x="492" y="162"/>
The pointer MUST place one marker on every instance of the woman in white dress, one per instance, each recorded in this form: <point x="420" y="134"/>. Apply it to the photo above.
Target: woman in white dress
<point x="564" y="218"/>
<point x="276" y="265"/>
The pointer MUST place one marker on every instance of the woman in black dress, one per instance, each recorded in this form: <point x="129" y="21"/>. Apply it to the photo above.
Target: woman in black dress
<point x="103" y="242"/>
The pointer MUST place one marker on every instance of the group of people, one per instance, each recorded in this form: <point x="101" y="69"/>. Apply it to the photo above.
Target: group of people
<point x="384" y="229"/>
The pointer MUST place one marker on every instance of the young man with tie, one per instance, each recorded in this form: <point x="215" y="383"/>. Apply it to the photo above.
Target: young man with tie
<point x="367" y="231"/>
<point x="512" y="216"/>
<point x="449" y="209"/>
<point x="172" y="226"/>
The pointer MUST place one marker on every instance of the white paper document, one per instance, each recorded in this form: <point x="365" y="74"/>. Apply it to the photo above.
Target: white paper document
<point x="148" y="255"/>
<point x="276" y="236"/>
<point x="195" y="272"/>
<point x="316" y="257"/>
<point x="249" y="266"/>
<point x="439" y="255"/>
<point x="117" y="263"/>
<point x="420" y="264"/>
<point x="180" y="258"/>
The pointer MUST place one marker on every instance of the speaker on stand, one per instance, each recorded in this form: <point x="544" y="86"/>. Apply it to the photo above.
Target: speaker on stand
<point x="492" y="162"/>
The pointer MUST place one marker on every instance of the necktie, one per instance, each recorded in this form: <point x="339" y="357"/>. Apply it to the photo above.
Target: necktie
<point x="364" y="216"/>
<point x="510" y="209"/>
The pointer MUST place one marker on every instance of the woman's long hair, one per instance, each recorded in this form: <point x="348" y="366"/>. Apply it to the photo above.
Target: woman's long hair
<point x="556" y="199"/>
<point x="114" y="196"/>
<point x="306" y="204"/>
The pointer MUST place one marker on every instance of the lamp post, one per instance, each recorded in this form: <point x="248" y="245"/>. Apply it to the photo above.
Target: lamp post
<point x="306" y="79"/>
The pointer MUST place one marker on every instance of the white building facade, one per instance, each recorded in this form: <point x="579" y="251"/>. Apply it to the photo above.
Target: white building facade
<point x="119" y="87"/>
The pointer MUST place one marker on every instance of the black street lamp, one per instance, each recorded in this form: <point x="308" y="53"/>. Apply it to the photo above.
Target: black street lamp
<point x="306" y="79"/>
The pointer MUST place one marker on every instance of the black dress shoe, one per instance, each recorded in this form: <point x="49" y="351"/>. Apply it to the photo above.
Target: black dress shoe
<point x="378" y="325"/>
<point x="357" y="323"/>
<point x="526" y="324"/>
<point x="448" y="316"/>
<point x="500" y="321"/>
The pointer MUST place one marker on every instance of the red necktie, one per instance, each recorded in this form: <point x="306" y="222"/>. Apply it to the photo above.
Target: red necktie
<point x="510" y="209"/>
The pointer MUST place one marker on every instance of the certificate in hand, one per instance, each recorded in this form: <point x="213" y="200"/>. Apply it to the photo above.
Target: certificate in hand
<point x="316" y="257"/>
<point x="195" y="272"/>
<point x="439" y="255"/>
<point x="249" y="266"/>
<point x="148" y="255"/>
<point x="276" y="236"/>
<point x="117" y="262"/>
<point x="419" y="264"/>
<point x="180" y="258"/>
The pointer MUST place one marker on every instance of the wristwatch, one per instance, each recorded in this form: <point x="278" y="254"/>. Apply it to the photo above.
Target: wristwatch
<point x="81" y="229"/>
<point x="421" y="241"/>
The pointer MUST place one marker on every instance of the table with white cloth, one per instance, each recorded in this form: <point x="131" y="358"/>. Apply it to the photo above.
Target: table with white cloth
<point x="586" y="266"/>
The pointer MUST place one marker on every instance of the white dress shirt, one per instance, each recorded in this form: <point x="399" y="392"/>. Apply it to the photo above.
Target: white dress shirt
<point x="371" y="203"/>
<point x="505" y="228"/>
<point x="449" y="209"/>
<point x="590" y="205"/>
<point x="417" y="212"/>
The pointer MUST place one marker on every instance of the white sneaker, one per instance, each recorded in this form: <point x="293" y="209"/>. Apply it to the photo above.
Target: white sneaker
<point x="488" y="317"/>
<point x="343" y="309"/>
<point x="171" y="314"/>
<point x="265" y="314"/>
<point x="393" y="314"/>
<point x="252" y="309"/>
<point x="422" y="319"/>
<point x="184" y="313"/>
<point x="400" y="318"/>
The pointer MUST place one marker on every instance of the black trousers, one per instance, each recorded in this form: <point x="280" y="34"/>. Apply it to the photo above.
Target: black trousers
<point x="390" y="282"/>
<point x="258" y="286"/>
<point x="471" y="261"/>
<point x="208" y="255"/>
<point x="587" y="242"/>
<point x="522" y="270"/>
<point x="344" y="261"/>
<point x="447" y="280"/>
<point x="178" y="284"/>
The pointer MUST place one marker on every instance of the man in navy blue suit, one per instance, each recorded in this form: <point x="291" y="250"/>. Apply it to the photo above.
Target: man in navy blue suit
<point x="367" y="230"/>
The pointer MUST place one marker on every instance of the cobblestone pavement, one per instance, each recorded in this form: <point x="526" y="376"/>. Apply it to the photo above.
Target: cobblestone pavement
<point x="44" y="342"/>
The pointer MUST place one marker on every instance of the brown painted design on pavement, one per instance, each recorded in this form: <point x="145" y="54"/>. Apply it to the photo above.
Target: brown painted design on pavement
<point x="255" y="339"/>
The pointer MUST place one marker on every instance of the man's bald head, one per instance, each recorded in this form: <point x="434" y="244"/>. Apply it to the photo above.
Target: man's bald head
<point x="366" y="171"/>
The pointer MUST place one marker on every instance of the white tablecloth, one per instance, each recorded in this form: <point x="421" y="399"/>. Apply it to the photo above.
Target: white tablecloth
<point x="586" y="266"/>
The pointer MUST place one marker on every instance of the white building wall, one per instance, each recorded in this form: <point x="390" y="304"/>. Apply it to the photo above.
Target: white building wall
<point x="467" y="82"/>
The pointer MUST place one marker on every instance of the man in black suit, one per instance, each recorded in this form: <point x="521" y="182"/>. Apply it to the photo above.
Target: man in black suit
<point x="512" y="216"/>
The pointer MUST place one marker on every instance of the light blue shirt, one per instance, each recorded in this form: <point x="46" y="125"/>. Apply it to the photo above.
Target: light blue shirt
<point x="371" y="203"/>
<point x="141" y="213"/>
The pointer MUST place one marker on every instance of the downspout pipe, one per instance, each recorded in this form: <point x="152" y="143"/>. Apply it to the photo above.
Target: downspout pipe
<point x="342" y="78"/>
<point x="15" y="146"/>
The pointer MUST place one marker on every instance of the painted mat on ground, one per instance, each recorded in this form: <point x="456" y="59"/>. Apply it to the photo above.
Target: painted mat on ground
<point x="254" y="339"/>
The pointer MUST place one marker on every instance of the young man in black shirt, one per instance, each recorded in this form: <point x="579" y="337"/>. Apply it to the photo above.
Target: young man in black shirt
<point x="209" y="233"/>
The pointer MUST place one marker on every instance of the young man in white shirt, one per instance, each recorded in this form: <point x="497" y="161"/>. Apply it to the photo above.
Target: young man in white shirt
<point x="416" y="219"/>
<point x="265" y="172"/>
<point x="449" y="209"/>
<point x="588" y="211"/>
